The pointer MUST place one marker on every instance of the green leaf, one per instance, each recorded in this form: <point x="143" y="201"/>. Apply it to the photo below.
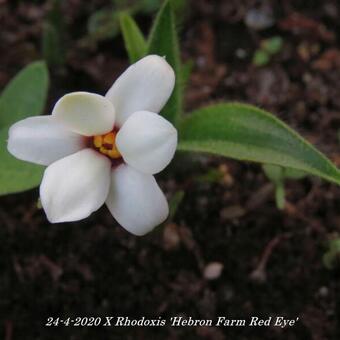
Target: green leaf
<point x="294" y="173"/>
<point x="277" y="173"/>
<point x="53" y="35"/>
<point x="103" y="24"/>
<point x="185" y="72"/>
<point x="261" y="58"/>
<point x="16" y="175"/>
<point x="274" y="172"/>
<point x="272" y="45"/>
<point x="25" y="95"/>
<point x="163" y="41"/>
<point x="174" y="203"/>
<point x="149" y="6"/>
<point x="51" y="45"/>
<point x="280" y="195"/>
<point x="133" y="37"/>
<point x="245" y="132"/>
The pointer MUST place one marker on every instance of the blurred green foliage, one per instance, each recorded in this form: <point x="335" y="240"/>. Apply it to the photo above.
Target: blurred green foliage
<point x="104" y="23"/>
<point x="174" y="203"/>
<point x="163" y="41"/>
<point x="268" y="48"/>
<point x="23" y="97"/>
<point x="211" y="176"/>
<point x="53" y="48"/>
<point x="135" y="42"/>
<point x="332" y="256"/>
<point x="277" y="175"/>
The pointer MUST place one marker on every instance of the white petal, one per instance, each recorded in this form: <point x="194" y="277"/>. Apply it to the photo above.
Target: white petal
<point x="75" y="186"/>
<point x="86" y="113"/>
<point x="147" y="142"/>
<point x="42" y="140"/>
<point x="145" y="85"/>
<point x="136" y="201"/>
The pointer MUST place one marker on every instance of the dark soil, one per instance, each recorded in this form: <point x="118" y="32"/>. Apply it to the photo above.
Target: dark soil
<point x="272" y="260"/>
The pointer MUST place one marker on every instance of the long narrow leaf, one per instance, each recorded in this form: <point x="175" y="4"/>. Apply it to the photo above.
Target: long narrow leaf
<point x="133" y="37"/>
<point x="245" y="132"/>
<point x="16" y="175"/>
<point x="24" y="96"/>
<point x="163" y="41"/>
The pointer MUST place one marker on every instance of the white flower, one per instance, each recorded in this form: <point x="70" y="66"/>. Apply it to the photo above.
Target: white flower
<point x="105" y="149"/>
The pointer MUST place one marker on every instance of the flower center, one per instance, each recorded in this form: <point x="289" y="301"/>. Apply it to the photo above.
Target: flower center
<point x="106" y="144"/>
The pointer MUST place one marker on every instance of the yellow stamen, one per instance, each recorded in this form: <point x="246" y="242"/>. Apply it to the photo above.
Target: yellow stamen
<point x="104" y="151"/>
<point x="106" y="144"/>
<point x="114" y="153"/>
<point x="97" y="141"/>
<point x="109" y="138"/>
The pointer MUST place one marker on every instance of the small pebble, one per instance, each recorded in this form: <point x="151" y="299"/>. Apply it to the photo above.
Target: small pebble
<point x="259" y="19"/>
<point x="241" y="53"/>
<point x="213" y="270"/>
<point x="232" y="212"/>
<point x="171" y="238"/>
<point x="323" y="291"/>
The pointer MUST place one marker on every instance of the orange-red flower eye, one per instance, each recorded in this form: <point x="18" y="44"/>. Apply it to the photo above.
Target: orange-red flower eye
<point x="106" y="144"/>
